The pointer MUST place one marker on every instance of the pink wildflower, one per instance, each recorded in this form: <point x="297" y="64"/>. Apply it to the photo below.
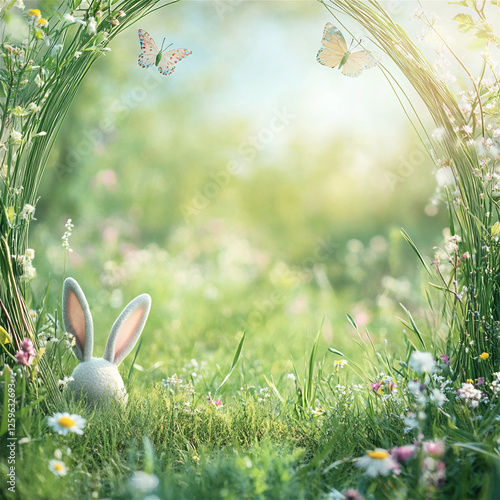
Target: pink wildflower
<point x="27" y="345"/>
<point x="27" y="353"/>
<point x="435" y="448"/>
<point x="352" y="494"/>
<point x="445" y="359"/>
<point x="403" y="453"/>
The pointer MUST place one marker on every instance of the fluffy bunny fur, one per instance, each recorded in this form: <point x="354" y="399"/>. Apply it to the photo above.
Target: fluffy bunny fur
<point x="98" y="379"/>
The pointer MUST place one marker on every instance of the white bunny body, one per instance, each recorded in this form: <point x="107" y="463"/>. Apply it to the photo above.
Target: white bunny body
<point x="98" y="379"/>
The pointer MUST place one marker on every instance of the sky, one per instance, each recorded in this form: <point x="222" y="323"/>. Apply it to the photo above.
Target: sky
<point x="251" y="58"/>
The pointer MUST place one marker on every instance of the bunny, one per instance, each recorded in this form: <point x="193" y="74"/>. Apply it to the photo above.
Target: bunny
<point x="98" y="379"/>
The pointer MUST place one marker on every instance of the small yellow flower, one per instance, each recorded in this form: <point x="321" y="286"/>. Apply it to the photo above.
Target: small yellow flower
<point x="42" y="23"/>
<point x="196" y="458"/>
<point x="470" y="381"/>
<point x="484" y="356"/>
<point x="35" y="13"/>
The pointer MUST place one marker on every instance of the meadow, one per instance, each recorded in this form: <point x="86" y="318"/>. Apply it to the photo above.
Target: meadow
<point x="321" y="251"/>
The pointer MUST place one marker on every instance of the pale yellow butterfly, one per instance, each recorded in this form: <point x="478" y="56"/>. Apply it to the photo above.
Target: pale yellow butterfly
<point x="334" y="52"/>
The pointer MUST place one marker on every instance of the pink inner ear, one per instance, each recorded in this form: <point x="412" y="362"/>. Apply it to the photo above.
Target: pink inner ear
<point x="128" y="330"/>
<point x="76" y="318"/>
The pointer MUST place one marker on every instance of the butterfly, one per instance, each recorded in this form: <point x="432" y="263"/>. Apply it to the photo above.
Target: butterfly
<point x="165" y="61"/>
<point x="334" y="52"/>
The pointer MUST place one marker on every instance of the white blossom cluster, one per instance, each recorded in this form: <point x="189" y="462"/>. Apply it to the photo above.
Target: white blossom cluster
<point x="470" y="394"/>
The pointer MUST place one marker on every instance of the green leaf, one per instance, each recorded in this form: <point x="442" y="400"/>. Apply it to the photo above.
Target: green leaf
<point x="309" y="389"/>
<point x="331" y="349"/>
<point x="414" y="327"/>
<point x="464" y="19"/>
<point x="133" y="361"/>
<point x="351" y="320"/>
<point x="233" y="364"/>
<point x="407" y="237"/>
<point x="275" y="390"/>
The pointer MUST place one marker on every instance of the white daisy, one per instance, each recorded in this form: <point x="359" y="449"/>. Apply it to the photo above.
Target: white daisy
<point x="62" y="423"/>
<point x="377" y="463"/>
<point x="58" y="467"/>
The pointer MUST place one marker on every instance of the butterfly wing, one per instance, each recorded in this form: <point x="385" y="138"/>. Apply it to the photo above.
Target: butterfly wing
<point x="333" y="47"/>
<point x="358" y="62"/>
<point x="149" y="49"/>
<point x="170" y="59"/>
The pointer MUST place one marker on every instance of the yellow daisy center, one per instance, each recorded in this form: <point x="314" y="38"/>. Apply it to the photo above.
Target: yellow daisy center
<point x="484" y="356"/>
<point x="34" y="13"/>
<point x="378" y="455"/>
<point x="41" y="22"/>
<point x="66" y="422"/>
<point x="58" y="467"/>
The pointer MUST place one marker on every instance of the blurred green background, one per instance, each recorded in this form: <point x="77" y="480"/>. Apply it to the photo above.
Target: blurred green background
<point x="254" y="189"/>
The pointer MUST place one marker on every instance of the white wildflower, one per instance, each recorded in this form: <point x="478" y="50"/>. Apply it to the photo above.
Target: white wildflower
<point x="470" y="394"/>
<point x="58" y="467"/>
<point x="445" y="177"/>
<point x="143" y="482"/>
<point x="62" y="423"/>
<point x="16" y="137"/>
<point x="92" y="26"/>
<point x="377" y="463"/>
<point x="33" y="108"/>
<point x="63" y="383"/>
<point x="422" y="362"/>
<point x="27" y="212"/>
<point x="437" y="397"/>
<point x="438" y="134"/>
<point x="65" y="237"/>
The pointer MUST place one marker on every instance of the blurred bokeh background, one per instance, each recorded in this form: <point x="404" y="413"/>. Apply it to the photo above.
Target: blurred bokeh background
<point x="253" y="189"/>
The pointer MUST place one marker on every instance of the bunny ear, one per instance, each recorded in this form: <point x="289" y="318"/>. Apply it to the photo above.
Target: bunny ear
<point x="77" y="319"/>
<point x="127" y="329"/>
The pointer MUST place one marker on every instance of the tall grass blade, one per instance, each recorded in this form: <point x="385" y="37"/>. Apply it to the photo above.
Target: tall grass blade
<point x="233" y="364"/>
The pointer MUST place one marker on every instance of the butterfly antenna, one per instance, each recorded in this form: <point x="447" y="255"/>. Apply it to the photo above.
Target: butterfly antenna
<point x="357" y="45"/>
<point x="162" y="44"/>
